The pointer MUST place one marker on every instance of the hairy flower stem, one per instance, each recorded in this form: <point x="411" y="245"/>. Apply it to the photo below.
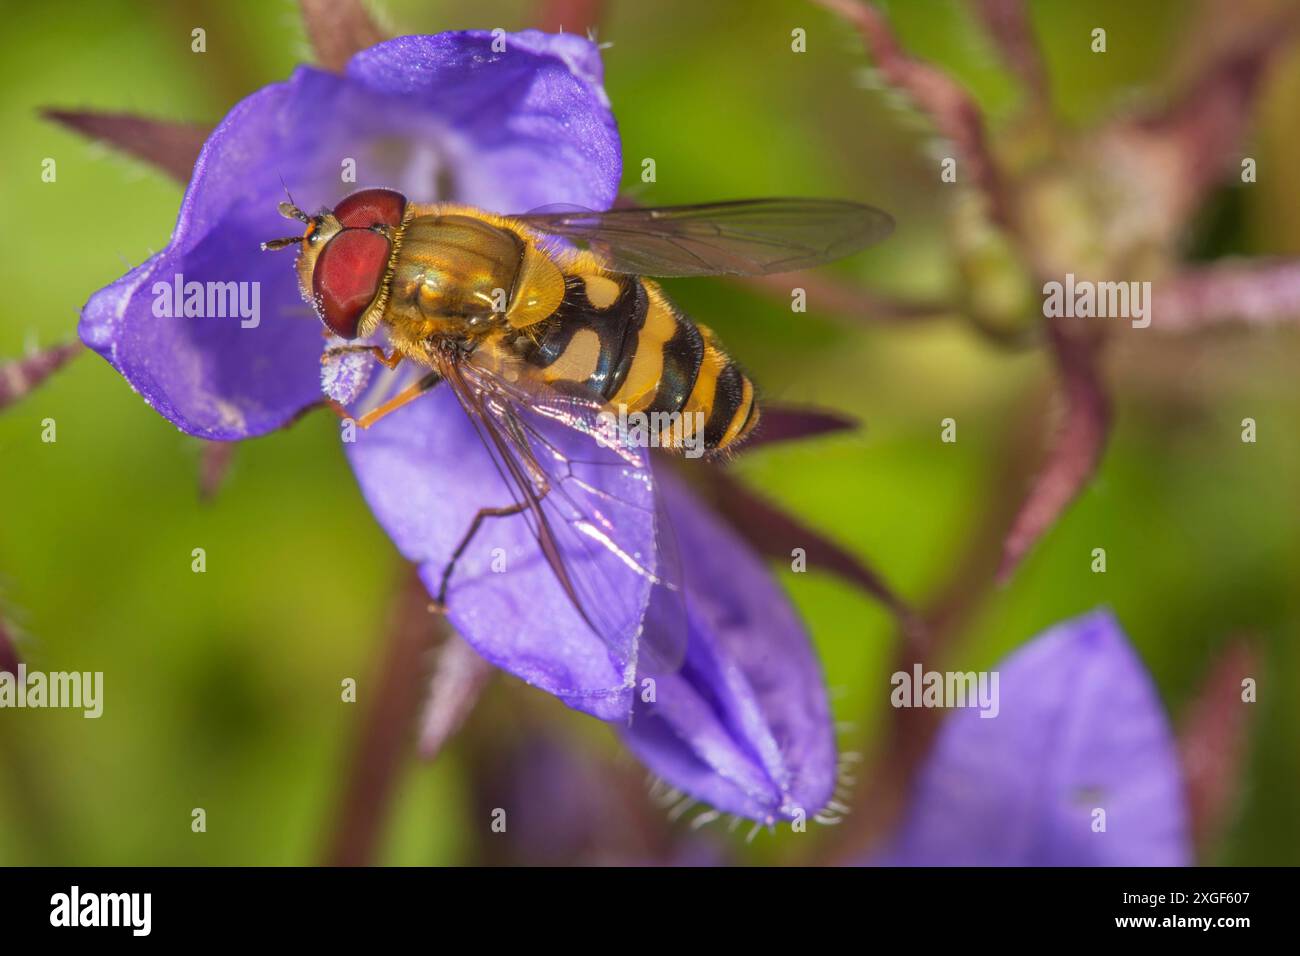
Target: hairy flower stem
<point x="18" y="378"/>
<point x="390" y="704"/>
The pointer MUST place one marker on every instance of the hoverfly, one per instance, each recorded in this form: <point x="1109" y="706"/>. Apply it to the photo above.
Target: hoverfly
<point x="529" y="330"/>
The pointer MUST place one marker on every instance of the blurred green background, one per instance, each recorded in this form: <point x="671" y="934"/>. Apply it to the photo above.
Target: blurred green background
<point x="222" y="689"/>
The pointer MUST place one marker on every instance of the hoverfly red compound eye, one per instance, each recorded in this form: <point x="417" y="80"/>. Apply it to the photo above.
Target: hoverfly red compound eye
<point x="347" y="277"/>
<point x="371" y="207"/>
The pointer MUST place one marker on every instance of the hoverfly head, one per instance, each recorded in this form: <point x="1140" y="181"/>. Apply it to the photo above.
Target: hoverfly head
<point x="344" y="255"/>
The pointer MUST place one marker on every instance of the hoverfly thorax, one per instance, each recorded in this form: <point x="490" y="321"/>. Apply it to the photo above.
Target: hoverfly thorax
<point x="455" y="275"/>
<point x="345" y="258"/>
<point x="462" y="276"/>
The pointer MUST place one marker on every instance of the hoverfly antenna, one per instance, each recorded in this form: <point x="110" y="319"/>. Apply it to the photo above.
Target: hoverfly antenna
<point x="272" y="244"/>
<point x="290" y="211"/>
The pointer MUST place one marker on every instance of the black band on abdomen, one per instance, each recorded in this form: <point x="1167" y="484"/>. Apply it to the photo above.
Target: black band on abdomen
<point x="727" y="398"/>
<point x="683" y="355"/>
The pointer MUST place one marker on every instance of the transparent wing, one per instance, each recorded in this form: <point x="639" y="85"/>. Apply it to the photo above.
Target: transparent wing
<point x="742" y="237"/>
<point x="590" y="503"/>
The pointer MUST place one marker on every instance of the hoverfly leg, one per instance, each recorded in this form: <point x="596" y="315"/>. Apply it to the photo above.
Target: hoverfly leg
<point x="440" y="602"/>
<point x="401" y="398"/>
<point x="389" y="361"/>
<point x="338" y="409"/>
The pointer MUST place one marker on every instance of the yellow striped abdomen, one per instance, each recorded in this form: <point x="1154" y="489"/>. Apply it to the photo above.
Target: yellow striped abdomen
<point x="620" y="337"/>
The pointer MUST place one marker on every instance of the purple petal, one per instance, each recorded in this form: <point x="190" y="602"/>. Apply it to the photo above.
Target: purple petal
<point x="531" y="124"/>
<point x="439" y="117"/>
<point x="425" y="473"/>
<point x="211" y="376"/>
<point x="744" y="725"/>
<point x="1080" y="728"/>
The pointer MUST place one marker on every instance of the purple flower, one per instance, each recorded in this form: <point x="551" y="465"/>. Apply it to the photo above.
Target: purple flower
<point x="448" y="117"/>
<point x="1080" y="732"/>
<point x="744" y="725"/>
<point x="439" y="117"/>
